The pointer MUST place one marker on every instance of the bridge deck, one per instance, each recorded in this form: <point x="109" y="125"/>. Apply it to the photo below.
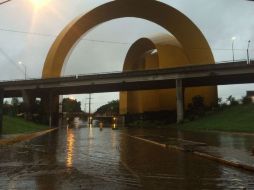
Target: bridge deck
<point x="193" y="75"/>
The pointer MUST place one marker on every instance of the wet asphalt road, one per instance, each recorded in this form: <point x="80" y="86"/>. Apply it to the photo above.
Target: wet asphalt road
<point x="87" y="158"/>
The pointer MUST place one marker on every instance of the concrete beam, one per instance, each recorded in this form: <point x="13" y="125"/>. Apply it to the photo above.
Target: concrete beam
<point x="179" y="100"/>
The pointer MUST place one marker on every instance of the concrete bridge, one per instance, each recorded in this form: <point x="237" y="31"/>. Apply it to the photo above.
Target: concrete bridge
<point x="181" y="77"/>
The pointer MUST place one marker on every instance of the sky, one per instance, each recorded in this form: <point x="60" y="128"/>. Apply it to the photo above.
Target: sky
<point x="27" y="32"/>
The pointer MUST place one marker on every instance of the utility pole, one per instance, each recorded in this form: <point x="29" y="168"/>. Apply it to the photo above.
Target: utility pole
<point x="90" y="104"/>
<point x="233" y="51"/>
<point x="89" y="109"/>
<point x="248" y="56"/>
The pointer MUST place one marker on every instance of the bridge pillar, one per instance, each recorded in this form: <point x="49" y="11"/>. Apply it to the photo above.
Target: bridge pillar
<point x="29" y="101"/>
<point x="1" y="109"/>
<point x="179" y="100"/>
<point x="50" y="103"/>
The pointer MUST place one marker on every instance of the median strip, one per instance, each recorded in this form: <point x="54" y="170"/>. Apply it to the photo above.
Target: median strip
<point x="25" y="137"/>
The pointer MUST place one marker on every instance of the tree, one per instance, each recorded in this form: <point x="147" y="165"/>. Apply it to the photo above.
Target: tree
<point x="7" y="108"/>
<point x="15" y="106"/>
<point x="71" y="106"/>
<point x="196" y="108"/>
<point x="246" y="100"/>
<point x="232" y="101"/>
<point x="111" y="108"/>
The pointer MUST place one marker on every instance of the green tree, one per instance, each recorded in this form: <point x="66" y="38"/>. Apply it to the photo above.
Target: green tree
<point x="246" y="100"/>
<point x="71" y="106"/>
<point x="111" y="108"/>
<point x="15" y="106"/>
<point x="196" y="108"/>
<point x="232" y="101"/>
<point x="7" y="108"/>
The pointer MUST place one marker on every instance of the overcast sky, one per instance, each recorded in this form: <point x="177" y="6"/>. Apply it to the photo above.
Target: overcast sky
<point x="27" y="32"/>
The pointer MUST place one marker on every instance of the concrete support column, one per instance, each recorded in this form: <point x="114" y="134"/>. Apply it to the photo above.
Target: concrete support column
<point x="50" y="103"/>
<point x="29" y="101"/>
<point x="179" y="100"/>
<point x="1" y="109"/>
<point x="50" y="109"/>
<point x="60" y="111"/>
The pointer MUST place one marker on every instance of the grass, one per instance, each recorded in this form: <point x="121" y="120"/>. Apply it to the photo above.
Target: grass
<point x="239" y="118"/>
<point x="14" y="125"/>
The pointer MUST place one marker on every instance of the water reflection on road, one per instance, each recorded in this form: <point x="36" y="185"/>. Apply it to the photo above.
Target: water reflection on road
<point x="91" y="158"/>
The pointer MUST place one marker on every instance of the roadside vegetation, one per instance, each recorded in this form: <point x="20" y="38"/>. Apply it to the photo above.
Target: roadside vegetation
<point x="14" y="121"/>
<point x="230" y="116"/>
<point x="237" y="118"/>
<point x="15" y="125"/>
<point x="17" y="121"/>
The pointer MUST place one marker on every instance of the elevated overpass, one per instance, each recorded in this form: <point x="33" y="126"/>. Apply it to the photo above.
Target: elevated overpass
<point x="199" y="75"/>
<point x="181" y="77"/>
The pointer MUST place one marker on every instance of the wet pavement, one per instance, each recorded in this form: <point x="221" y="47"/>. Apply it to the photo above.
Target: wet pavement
<point x="88" y="158"/>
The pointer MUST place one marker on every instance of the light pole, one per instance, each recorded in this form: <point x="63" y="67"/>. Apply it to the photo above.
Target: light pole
<point x="248" y="56"/>
<point x="233" y="52"/>
<point x="20" y="63"/>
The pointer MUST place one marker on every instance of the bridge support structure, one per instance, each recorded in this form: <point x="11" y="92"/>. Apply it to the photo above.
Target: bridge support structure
<point x="29" y="101"/>
<point x="50" y="104"/>
<point x="179" y="100"/>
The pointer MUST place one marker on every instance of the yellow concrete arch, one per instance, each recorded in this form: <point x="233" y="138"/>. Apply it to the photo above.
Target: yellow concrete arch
<point x="161" y="51"/>
<point x="132" y="102"/>
<point x="192" y="40"/>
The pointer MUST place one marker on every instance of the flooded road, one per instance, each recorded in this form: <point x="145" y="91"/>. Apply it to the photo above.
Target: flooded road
<point x="90" y="158"/>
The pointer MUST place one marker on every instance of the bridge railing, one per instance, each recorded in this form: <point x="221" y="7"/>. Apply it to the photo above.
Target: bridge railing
<point x="125" y="73"/>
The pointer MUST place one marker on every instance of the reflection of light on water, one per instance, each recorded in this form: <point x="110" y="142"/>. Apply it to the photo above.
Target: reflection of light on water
<point x="114" y="126"/>
<point x="113" y="138"/>
<point x="70" y="144"/>
<point x="76" y="122"/>
<point x="90" y="135"/>
<point x="101" y="126"/>
<point x="90" y="138"/>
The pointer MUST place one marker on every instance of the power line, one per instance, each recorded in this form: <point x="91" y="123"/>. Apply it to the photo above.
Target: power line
<point x="24" y="32"/>
<point x="51" y="35"/>
<point x="11" y="60"/>
<point x="106" y="41"/>
<point x="4" y="2"/>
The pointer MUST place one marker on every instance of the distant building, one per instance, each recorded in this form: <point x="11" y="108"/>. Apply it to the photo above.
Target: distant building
<point x="250" y="94"/>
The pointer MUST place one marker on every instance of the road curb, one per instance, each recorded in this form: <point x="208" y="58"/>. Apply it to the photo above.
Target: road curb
<point x="25" y="137"/>
<point x="200" y="154"/>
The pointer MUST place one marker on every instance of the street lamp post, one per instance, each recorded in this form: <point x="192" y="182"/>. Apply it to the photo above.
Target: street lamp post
<point x="233" y="52"/>
<point x="248" y="56"/>
<point x="20" y="63"/>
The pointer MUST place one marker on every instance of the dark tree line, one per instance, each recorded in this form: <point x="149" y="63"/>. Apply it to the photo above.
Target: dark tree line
<point x="111" y="108"/>
<point x="71" y="106"/>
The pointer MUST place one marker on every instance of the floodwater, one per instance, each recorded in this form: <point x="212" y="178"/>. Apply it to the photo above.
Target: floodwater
<point x="94" y="158"/>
